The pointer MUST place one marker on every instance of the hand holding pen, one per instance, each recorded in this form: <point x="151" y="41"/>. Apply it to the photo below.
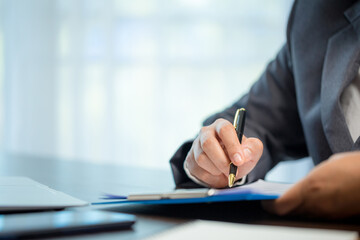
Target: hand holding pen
<point x="216" y="146"/>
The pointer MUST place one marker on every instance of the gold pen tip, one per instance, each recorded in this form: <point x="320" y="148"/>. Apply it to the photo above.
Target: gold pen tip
<point x="231" y="180"/>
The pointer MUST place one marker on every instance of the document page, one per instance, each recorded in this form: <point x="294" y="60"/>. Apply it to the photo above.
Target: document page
<point x="212" y="230"/>
<point x="260" y="187"/>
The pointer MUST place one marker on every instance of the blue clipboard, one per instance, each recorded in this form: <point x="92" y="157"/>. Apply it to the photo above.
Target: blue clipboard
<point x="259" y="190"/>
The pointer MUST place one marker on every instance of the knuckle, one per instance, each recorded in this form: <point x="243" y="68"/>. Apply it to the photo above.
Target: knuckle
<point x="225" y="130"/>
<point x="201" y="159"/>
<point x="207" y="143"/>
<point x="313" y="186"/>
<point x="203" y="130"/>
<point x="219" y="121"/>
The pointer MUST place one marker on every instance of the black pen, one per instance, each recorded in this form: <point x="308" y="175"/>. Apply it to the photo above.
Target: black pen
<point x="239" y="124"/>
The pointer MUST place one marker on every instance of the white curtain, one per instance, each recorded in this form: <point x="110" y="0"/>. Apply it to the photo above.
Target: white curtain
<point x="126" y="81"/>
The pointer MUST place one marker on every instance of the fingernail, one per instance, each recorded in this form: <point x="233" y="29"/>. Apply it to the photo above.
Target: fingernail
<point x="247" y="154"/>
<point x="237" y="159"/>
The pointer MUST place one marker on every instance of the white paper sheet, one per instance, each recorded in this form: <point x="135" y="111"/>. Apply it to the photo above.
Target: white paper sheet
<point x="211" y="230"/>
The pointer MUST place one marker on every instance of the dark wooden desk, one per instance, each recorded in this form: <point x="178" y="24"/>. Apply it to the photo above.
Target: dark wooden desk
<point x="88" y="181"/>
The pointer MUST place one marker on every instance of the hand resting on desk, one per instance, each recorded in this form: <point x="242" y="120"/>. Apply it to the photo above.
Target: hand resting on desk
<point x="331" y="190"/>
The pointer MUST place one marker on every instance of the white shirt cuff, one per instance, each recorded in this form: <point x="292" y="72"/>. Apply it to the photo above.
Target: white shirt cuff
<point x="194" y="179"/>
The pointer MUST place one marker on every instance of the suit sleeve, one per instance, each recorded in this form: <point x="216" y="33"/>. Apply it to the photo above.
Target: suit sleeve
<point x="272" y="116"/>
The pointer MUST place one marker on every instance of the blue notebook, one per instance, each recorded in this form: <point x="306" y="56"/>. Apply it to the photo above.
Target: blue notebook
<point x="259" y="190"/>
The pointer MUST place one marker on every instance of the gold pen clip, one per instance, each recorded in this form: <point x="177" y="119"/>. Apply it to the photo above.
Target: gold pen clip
<point x="236" y="119"/>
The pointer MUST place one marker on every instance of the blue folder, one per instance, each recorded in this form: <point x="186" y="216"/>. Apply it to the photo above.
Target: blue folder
<point x="260" y="190"/>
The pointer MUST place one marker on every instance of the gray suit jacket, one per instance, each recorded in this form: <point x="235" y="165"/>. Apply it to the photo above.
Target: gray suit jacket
<point x="294" y="107"/>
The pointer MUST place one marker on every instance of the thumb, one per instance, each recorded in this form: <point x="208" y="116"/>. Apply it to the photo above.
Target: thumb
<point x="287" y="203"/>
<point x="252" y="149"/>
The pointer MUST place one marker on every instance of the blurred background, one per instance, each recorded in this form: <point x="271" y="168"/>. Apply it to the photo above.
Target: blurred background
<point x="126" y="81"/>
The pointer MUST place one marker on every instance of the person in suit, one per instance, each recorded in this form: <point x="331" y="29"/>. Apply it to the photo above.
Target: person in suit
<point x="306" y="103"/>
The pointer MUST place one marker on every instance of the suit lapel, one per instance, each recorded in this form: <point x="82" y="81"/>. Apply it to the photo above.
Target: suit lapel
<point x="340" y="68"/>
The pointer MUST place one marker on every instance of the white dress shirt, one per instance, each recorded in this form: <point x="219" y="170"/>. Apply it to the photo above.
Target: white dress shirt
<point x="350" y="104"/>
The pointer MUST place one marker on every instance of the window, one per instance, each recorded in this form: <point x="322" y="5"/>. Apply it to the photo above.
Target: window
<point x="126" y="81"/>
